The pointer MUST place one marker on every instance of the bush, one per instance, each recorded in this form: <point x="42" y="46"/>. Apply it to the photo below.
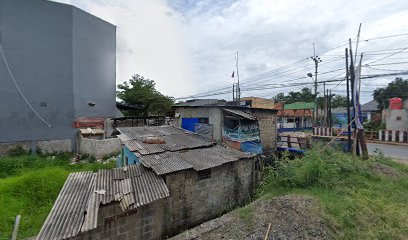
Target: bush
<point x="17" y="151"/>
<point x="315" y="169"/>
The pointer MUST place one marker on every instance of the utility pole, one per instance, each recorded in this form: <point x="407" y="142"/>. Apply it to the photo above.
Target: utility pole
<point x="233" y="92"/>
<point x="330" y="108"/>
<point x="324" y="104"/>
<point x="352" y="79"/>
<point x="238" y="87"/>
<point x="348" y="104"/>
<point x="316" y="60"/>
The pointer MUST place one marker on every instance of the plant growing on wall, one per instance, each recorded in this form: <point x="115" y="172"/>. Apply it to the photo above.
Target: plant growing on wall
<point x="142" y="91"/>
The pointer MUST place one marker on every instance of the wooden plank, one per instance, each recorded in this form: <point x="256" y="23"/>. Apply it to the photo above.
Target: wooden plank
<point x="15" y="229"/>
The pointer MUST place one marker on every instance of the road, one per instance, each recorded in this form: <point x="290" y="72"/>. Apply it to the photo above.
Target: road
<point x="397" y="152"/>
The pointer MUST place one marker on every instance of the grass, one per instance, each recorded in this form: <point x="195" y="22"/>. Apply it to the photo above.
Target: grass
<point x="29" y="186"/>
<point x="358" y="202"/>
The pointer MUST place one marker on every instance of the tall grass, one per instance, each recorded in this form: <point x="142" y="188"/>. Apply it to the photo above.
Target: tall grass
<point x="359" y="203"/>
<point x="30" y="185"/>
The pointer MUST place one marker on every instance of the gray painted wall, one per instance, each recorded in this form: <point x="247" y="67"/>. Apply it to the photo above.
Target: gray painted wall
<point x="60" y="56"/>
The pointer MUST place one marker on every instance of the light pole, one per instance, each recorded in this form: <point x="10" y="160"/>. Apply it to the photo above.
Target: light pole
<point x="315" y="99"/>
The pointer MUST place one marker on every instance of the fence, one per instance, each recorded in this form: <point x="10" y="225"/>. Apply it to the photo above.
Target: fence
<point x="393" y="136"/>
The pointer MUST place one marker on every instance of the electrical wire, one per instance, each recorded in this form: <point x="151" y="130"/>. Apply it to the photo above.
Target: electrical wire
<point x="18" y="88"/>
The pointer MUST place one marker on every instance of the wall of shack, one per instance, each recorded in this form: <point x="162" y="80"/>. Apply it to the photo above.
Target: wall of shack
<point x="193" y="201"/>
<point x="145" y="223"/>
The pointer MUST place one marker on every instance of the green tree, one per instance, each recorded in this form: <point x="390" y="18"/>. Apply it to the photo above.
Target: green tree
<point x="142" y="91"/>
<point x="396" y="88"/>
<point x="304" y="95"/>
<point x="339" y="101"/>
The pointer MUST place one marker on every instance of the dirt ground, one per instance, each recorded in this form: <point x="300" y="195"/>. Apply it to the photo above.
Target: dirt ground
<point x="291" y="217"/>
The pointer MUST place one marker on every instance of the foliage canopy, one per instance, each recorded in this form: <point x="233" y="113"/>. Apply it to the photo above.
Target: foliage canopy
<point x="142" y="91"/>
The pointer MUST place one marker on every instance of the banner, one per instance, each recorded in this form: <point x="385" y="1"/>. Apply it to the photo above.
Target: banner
<point x="244" y="133"/>
<point x="356" y="95"/>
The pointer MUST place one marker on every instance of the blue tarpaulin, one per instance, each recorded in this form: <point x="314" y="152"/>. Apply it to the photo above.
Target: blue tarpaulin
<point x="189" y="124"/>
<point x="252" y="147"/>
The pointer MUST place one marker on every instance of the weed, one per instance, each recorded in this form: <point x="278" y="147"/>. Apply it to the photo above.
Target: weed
<point x="358" y="203"/>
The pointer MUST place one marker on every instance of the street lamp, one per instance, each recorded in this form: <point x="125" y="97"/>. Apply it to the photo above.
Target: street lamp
<point x="315" y="98"/>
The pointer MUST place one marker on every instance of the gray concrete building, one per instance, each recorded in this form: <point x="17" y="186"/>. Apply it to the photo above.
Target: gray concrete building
<point x="62" y="60"/>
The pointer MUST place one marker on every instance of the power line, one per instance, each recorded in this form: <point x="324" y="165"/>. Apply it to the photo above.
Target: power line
<point x="18" y="88"/>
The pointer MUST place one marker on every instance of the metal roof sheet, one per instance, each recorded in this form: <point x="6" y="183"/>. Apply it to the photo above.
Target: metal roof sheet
<point x="66" y="216"/>
<point x="175" y="139"/>
<point x="240" y="113"/>
<point x="77" y="206"/>
<point x="197" y="159"/>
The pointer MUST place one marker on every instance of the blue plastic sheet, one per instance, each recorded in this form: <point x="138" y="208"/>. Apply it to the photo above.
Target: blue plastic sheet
<point x="252" y="147"/>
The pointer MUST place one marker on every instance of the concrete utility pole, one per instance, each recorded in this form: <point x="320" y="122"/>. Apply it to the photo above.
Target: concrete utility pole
<point x="238" y="96"/>
<point x="316" y="60"/>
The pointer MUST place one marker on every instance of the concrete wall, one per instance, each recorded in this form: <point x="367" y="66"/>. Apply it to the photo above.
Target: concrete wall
<point x="194" y="201"/>
<point x="214" y="116"/>
<point x="396" y="119"/>
<point x="267" y="129"/>
<point x="49" y="146"/>
<point x="145" y="223"/>
<point x="99" y="148"/>
<point x="61" y="58"/>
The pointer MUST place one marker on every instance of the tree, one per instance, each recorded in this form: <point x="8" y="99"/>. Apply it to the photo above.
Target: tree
<point x="143" y="92"/>
<point x="339" y="101"/>
<point x="396" y="88"/>
<point x="306" y="95"/>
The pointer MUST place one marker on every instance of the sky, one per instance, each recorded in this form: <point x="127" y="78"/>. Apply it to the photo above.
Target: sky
<point x="189" y="46"/>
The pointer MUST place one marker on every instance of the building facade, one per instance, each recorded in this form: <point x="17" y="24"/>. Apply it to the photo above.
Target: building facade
<point x="236" y="126"/>
<point x="59" y="63"/>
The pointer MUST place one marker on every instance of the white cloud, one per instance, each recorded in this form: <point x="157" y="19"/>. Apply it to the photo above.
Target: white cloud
<point x="150" y="41"/>
<point x="189" y="46"/>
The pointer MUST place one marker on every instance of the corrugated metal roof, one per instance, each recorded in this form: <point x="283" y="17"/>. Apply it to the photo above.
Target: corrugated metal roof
<point x="197" y="159"/>
<point x="77" y="206"/>
<point x="299" y="105"/>
<point x="175" y="138"/>
<point x="67" y="214"/>
<point x="240" y="113"/>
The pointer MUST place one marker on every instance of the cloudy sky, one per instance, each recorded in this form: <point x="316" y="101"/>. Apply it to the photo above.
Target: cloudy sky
<point x="189" y="46"/>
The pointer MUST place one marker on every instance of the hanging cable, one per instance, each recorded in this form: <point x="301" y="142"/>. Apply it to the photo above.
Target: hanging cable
<point x="19" y="90"/>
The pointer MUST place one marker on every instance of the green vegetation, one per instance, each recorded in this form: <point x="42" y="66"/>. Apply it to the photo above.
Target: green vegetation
<point x="362" y="199"/>
<point x="142" y="91"/>
<point x="29" y="186"/>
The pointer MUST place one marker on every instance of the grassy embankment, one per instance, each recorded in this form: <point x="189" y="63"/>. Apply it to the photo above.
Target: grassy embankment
<point x="360" y="199"/>
<point x="29" y="186"/>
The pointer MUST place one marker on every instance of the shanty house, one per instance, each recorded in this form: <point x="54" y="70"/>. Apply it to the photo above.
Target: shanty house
<point x="247" y="129"/>
<point x="122" y="203"/>
<point x="179" y="180"/>
<point x="203" y="178"/>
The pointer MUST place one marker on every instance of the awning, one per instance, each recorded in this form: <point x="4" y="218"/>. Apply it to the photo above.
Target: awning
<point x="240" y="114"/>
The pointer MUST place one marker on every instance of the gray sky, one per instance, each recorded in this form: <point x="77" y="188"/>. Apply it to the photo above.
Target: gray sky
<point x="189" y="46"/>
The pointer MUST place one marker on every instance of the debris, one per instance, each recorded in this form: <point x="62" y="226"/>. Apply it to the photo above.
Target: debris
<point x="154" y="140"/>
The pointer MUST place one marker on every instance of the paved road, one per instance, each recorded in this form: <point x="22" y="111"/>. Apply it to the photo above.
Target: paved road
<point x="397" y="152"/>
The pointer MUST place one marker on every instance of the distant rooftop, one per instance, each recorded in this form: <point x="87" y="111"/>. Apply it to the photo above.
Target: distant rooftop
<point x="299" y="105"/>
<point x="202" y="102"/>
<point x="371" y="106"/>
